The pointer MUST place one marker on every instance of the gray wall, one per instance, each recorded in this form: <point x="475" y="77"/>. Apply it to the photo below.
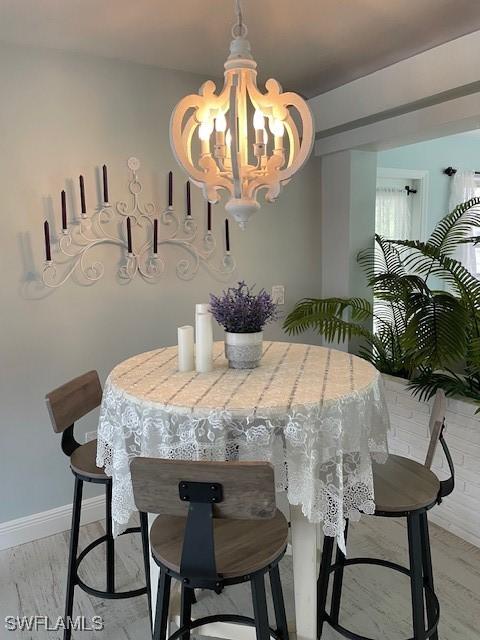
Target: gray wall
<point x="61" y="115"/>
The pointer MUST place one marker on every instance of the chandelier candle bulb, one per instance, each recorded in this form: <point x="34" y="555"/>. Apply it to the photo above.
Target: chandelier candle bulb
<point x="170" y="189"/>
<point x="83" y="205"/>
<point x="105" y="185"/>
<point x="203" y="339"/>
<point x="278" y="129"/>
<point x="220" y="128"/>
<point x="259" y="126"/>
<point x="228" y="143"/>
<point x="46" y="232"/>
<point x="64" y="211"/>
<point x="129" y="236"/>
<point x="204" y="133"/>
<point x="185" y="348"/>
<point x="155" y="236"/>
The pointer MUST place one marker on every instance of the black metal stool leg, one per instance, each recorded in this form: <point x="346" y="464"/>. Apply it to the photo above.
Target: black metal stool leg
<point x="338" y="580"/>
<point x="186" y="609"/>
<point x="110" y="541"/>
<point x="146" y="561"/>
<point x="72" y="558"/>
<point x="416" y="575"/>
<point x="278" y="602"/>
<point x="322" y="582"/>
<point x="427" y="571"/>
<point x="163" y="602"/>
<point x="260" y="612"/>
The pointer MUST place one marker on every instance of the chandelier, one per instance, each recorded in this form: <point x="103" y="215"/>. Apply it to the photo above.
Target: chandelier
<point x="241" y="141"/>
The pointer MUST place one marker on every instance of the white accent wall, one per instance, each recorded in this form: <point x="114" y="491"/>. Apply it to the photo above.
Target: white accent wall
<point x="409" y="436"/>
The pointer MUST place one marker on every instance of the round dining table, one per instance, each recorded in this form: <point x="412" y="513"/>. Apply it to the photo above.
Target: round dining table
<point x="317" y="414"/>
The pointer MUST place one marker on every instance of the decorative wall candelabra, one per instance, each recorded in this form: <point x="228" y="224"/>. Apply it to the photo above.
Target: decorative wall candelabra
<point x="120" y="224"/>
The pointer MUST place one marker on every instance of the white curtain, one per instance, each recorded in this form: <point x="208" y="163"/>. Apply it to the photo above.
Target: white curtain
<point x="393" y="217"/>
<point x="463" y="187"/>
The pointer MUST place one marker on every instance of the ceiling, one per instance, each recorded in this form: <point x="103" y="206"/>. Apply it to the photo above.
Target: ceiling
<point x="309" y="45"/>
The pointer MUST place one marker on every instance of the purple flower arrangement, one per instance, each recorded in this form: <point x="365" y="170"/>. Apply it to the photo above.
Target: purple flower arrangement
<point x="239" y="310"/>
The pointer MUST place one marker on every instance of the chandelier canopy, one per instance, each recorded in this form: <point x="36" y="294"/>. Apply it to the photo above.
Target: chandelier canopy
<point x="233" y="149"/>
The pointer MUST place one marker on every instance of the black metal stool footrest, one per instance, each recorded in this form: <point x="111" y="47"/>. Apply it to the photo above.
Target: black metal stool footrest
<point x="97" y="593"/>
<point x="226" y="617"/>
<point x="429" y="594"/>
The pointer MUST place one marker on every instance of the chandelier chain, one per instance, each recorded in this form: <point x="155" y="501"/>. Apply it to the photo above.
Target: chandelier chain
<point x="239" y="29"/>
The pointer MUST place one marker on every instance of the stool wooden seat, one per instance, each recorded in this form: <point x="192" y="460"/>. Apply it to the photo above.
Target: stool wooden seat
<point x="83" y="461"/>
<point x="66" y="405"/>
<point x="402" y="485"/>
<point x="236" y="543"/>
<point x="219" y="526"/>
<point x="402" y="488"/>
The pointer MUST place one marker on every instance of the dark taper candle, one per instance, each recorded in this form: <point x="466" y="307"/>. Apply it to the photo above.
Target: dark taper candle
<point x="189" y="201"/>
<point x="64" y="211"/>
<point x="209" y="216"/>
<point x="155" y="236"/>
<point x="227" y="235"/>
<point x="83" y="206"/>
<point x="105" y="184"/>
<point x="46" y="231"/>
<point x="170" y="189"/>
<point x="129" y="235"/>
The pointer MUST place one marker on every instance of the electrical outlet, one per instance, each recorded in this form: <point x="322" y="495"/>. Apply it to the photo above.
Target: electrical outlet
<point x="90" y="435"/>
<point x="278" y="294"/>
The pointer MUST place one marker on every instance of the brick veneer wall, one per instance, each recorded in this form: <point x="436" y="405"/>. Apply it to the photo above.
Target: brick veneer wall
<point x="409" y="436"/>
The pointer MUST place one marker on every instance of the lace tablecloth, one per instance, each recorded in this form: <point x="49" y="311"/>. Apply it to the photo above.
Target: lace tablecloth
<point x="317" y="414"/>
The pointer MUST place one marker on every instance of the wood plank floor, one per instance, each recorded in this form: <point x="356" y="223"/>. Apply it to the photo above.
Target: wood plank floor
<point x="376" y="601"/>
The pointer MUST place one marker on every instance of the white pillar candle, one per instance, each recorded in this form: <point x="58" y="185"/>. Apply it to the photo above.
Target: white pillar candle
<point x="200" y="308"/>
<point x="185" y="348"/>
<point x="203" y="339"/>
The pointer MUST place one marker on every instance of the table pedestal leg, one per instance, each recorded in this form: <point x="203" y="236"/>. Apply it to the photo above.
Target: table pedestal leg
<point x="154" y="570"/>
<point x="304" y="549"/>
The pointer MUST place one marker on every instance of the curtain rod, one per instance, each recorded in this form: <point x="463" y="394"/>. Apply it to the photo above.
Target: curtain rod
<point x="406" y="188"/>
<point x="450" y="171"/>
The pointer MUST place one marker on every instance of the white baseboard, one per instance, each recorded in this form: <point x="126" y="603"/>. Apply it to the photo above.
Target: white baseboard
<point x="47" y="523"/>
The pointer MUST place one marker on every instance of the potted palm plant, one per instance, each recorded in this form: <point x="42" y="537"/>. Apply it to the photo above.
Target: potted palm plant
<point x="429" y="336"/>
<point x="243" y="315"/>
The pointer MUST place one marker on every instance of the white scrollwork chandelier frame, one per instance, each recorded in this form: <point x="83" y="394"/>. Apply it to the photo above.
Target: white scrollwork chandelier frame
<point x="76" y="243"/>
<point x="236" y="166"/>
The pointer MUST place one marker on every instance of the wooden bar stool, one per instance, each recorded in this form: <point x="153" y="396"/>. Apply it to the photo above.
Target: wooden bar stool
<point x="219" y="526"/>
<point x="66" y="405"/>
<point x="403" y="488"/>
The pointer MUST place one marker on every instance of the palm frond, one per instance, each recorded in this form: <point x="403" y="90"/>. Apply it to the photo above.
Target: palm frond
<point x="384" y="258"/>
<point x="436" y="331"/>
<point x="452" y="229"/>
<point x="308" y="309"/>
<point x="428" y="259"/>
<point x="425" y="385"/>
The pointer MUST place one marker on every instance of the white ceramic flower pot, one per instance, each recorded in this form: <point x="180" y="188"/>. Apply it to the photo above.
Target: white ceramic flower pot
<point x="243" y="350"/>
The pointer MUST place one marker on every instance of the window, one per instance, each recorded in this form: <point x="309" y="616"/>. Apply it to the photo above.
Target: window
<point x="393" y="213"/>
<point x="477" y="232"/>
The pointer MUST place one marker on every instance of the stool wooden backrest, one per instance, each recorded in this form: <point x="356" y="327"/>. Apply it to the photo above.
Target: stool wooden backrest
<point x="248" y="487"/>
<point x="73" y="400"/>
<point x="436" y="425"/>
